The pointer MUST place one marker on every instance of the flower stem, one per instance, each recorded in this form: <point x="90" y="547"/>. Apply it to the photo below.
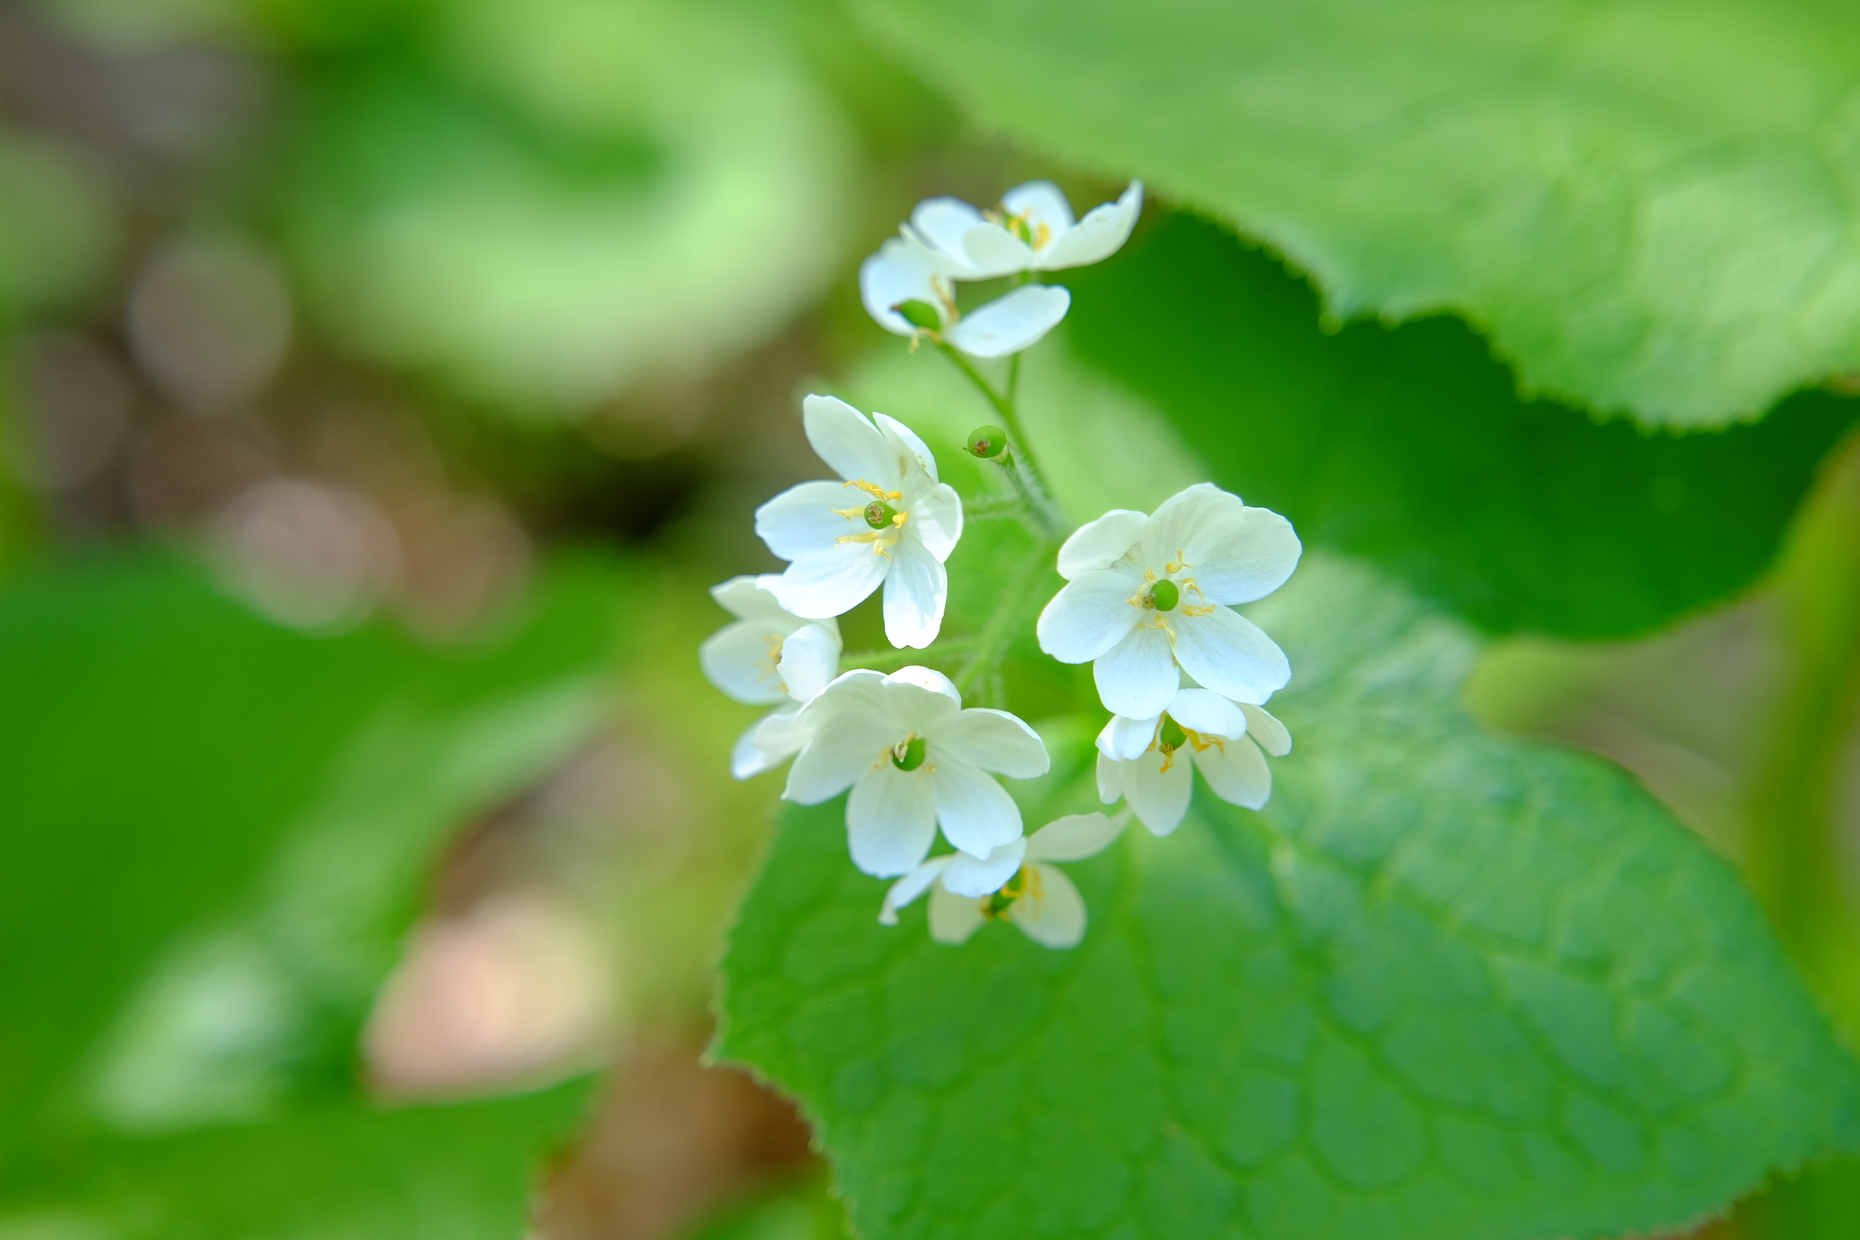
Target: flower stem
<point x="1022" y="469"/>
<point x="877" y="660"/>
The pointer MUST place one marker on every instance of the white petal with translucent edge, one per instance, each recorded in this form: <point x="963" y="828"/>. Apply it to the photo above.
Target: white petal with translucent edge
<point x="1052" y="914"/>
<point x="1268" y="731"/>
<point x="940" y="225"/>
<point x="890" y="821"/>
<point x="1206" y="712"/>
<point x="810" y="659"/>
<point x="1089" y="616"/>
<point x="1011" y="322"/>
<point x="769" y="742"/>
<point x="746" y="598"/>
<point x="994" y="251"/>
<point x="918" y="714"/>
<point x="1246" y="556"/>
<point x="837" y="754"/>
<point x="1111" y="778"/>
<point x="1158" y="797"/>
<point x="936" y="519"/>
<point x="1226" y="652"/>
<point x="1237" y="772"/>
<point x="967" y="876"/>
<point x="736" y="658"/>
<point x="849" y="442"/>
<point x="1099" y="235"/>
<point x="1101" y="543"/>
<point x="803" y="519"/>
<point x="994" y="740"/>
<point x="1183" y="520"/>
<point x="976" y="813"/>
<point x="908" y="888"/>
<point x="856" y="696"/>
<point x="1137" y="677"/>
<point x="1073" y="838"/>
<point x="908" y="442"/>
<point x="953" y="918"/>
<point x="1124" y="739"/>
<point x="898" y="272"/>
<point x="916" y="592"/>
<point x="831" y="582"/>
<point x="1040" y="202"/>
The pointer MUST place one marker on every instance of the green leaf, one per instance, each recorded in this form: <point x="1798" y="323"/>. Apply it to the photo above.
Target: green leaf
<point x="1407" y="446"/>
<point x="1646" y="205"/>
<point x="1446" y="986"/>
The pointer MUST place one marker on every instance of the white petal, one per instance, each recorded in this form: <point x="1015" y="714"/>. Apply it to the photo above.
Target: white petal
<point x="939" y="224"/>
<point x="849" y="442"/>
<point x="1099" y="235"/>
<point x="908" y="442"/>
<point x="1073" y="838"/>
<point x="1245" y="557"/>
<point x="976" y="813"/>
<point x="859" y="694"/>
<point x="1185" y="518"/>
<point x="890" y="820"/>
<point x="831" y="582"/>
<point x="1159" y="798"/>
<point x="994" y="251"/>
<point x="1228" y="653"/>
<point x="953" y="918"/>
<point x="908" y="888"/>
<point x="1091" y="614"/>
<point x="1206" y="712"/>
<point x="1111" y="779"/>
<point x="1040" y="202"/>
<point x="810" y="659"/>
<point x="1268" y="731"/>
<point x="916" y="592"/>
<point x="747" y="598"/>
<point x="936" y="519"/>
<point x="1237" y="772"/>
<point x="1124" y="739"/>
<point x="736" y="658"/>
<point x="967" y="876"/>
<point x="1101" y="543"/>
<point x="1052" y="913"/>
<point x="1011" y="322"/>
<point x="804" y="519"/>
<point x="834" y="758"/>
<point x="1138" y="676"/>
<point x="898" y="272"/>
<point x="994" y="740"/>
<point x="769" y="742"/>
<point x="918" y="677"/>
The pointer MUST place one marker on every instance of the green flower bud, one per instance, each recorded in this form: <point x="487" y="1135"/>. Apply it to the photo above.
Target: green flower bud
<point x="908" y="755"/>
<point x="879" y="514"/>
<point x="987" y="442"/>
<point x="1165" y="595"/>
<point x="920" y="314"/>
<point x="1171" y="737"/>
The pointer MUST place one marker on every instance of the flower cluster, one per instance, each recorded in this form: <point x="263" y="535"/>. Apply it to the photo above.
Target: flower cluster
<point x="1148" y="602"/>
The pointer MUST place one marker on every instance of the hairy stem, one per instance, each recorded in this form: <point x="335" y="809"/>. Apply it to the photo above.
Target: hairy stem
<point x="1023" y="471"/>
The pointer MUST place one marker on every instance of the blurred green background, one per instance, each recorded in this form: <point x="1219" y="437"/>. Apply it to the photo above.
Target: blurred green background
<point x="385" y="382"/>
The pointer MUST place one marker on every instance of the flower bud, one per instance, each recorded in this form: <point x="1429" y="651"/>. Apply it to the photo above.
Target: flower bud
<point x="920" y="314"/>
<point x="880" y="515"/>
<point x="1164" y="595"/>
<point x="907" y="755"/>
<point x="987" y="442"/>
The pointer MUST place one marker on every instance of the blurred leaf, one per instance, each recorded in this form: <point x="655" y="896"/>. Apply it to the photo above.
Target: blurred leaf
<point x="544" y="203"/>
<point x="218" y="828"/>
<point x="1447" y="986"/>
<point x="1408" y="446"/>
<point x="1647" y="204"/>
<point x="55" y="226"/>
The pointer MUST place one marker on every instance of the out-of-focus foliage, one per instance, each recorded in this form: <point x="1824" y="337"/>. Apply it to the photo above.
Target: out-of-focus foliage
<point x="1647" y="204"/>
<point x="1408" y="446"/>
<point x="218" y="828"/>
<point x="54" y="227"/>
<point x="1443" y="986"/>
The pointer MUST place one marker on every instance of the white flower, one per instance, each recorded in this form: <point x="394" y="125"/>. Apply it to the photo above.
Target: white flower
<point x="1147" y="761"/>
<point x="901" y="272"/>
<point x="914" y="759"/>
<point x="1033" y="231"/>
<point x="768" y="655"/>
<point x="890" y="521"/>
<point x="1015" y="884"/>
<point x="1148" y="595"/>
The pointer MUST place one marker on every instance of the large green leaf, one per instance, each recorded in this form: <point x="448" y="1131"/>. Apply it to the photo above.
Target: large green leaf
<point x="1646" y="203"/>
<point x="1446" y="986"/>
<point x="1409" y="446"/>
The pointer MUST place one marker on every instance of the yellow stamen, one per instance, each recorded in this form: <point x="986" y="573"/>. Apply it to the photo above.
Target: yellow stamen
<point x="874" y="490"/>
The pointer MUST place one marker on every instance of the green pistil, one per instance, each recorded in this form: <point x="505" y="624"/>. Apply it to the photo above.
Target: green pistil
<point x="908" y="755"/>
